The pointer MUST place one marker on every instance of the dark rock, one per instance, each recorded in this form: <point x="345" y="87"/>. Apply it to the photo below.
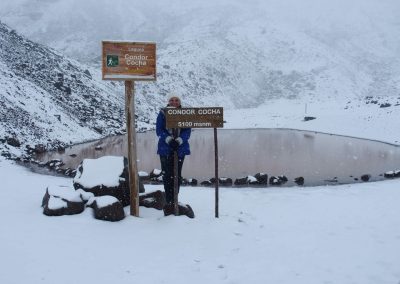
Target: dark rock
<point x="183" y="209"/>
<point x="365" y="177"/>
<point x="12" y="141"/>
<point x="154" y="200"/>
<point x="241" y="181"/>
<point x="192" y="181"/>
<point x="222" y="181"/>
<point x="144" y="177"/>
<point x="299" y="180"/>
<point x="225" y="181"/>
<point x="73" y="155"/>
<point x="111" y="210"/>
<point x="278" y="180"/>
<point x="307" y="118"/>
<point x="98" y="148"/>
<point x="155" y="173"/>
<point x="57" y="203"/>
<point x="98" y="130"/>
<point x="261" y="178"/>
<point x="273" y="180"/>
<point x="58" y="85"/>
<point x="184" y="182"/>
<point x="284" y="179"/>
<point x="392" y="174"/>
<point x="40" y="148"/>
<point x="206" y="183"/>
<point x="385" y="105"/>
<point x="87" y="73"/>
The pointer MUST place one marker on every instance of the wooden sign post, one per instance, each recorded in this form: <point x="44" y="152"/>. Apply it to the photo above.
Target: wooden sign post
<point x="207" y="117"/>
<point x="129" y="62"/>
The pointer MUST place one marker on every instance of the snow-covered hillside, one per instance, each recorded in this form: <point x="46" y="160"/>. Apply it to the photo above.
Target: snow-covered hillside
<point x="49" y="99"/>
<point x="238" y="54"/>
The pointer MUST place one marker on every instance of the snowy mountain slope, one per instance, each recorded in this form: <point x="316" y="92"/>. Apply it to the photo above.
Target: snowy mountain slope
<point x="235" y="53"/>
<point x="49" y="99"/>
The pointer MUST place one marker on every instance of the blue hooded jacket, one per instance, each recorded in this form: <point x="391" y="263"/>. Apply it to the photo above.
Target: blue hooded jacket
<point x="162" y="132"/>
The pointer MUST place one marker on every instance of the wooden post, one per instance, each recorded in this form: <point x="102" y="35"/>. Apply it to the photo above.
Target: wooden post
<point x="216" y="174"/>
<point x="176" y="176"/>
<point x="131" y="132"/>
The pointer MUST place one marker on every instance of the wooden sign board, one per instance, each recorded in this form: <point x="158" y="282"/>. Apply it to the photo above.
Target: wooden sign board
<point x="129" y="61"/>
<point x="207" y="117"/>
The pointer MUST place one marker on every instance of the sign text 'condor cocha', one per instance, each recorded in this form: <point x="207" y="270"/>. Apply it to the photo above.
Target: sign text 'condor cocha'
<point x="206" y="117"/>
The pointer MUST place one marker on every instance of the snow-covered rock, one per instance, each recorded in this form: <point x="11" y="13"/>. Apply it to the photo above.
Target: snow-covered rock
<point x="59" y="201"/>
<point x="107" y="175"/>
<point x="107" y="208"/>
<point x="154" y="199"/>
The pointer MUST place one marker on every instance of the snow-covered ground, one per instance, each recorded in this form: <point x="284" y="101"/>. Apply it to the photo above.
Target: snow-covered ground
<point x="356" y="119"/>
<point x="339" y="234"/>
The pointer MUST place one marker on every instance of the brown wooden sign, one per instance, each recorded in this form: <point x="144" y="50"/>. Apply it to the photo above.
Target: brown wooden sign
<point x="129" y="61"/>
<point x="206" y="117"/>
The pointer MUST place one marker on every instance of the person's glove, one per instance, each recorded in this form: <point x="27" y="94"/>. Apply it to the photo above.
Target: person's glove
<point x="168" y="139"/>
<point x="174" y="144"/>
<point x="179" y="140"/>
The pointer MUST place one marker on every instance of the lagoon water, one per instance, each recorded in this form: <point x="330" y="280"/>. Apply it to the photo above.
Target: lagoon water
<point x="318" y="157"/>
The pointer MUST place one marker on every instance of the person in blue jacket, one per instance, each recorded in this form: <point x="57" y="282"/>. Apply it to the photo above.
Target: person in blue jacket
<point x="170" y="141"/>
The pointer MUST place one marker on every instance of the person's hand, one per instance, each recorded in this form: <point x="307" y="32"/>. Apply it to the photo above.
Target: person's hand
<point x="174" y="144"/>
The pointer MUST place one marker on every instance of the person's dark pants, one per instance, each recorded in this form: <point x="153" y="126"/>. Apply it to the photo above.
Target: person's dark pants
<point x="167" y="167"/>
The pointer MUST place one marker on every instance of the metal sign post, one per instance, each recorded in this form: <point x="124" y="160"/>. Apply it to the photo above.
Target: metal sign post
<point x="209" y="117"/>
<point x="129" y="62"/>
<point x="216" y="173"/>
<point x="176" y="176"/>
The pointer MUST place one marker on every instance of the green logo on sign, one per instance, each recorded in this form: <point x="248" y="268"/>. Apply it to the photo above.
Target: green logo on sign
<point x="112" y="60"/>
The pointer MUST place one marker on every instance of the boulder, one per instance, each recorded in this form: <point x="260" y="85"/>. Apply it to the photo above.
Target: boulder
<point x="59" y="201"/>
<point x="299" y="180"/>
<point x="241" y="181"/>
<point x="262" y="178"/>
<point x="308" y="118"/>
<point x="365" y="177"/>
<point x="13" y="141"/>
<point x="185" y="182"/>
<point x="252" y="180"/>
<point x="278" y="180"/>
<point x="224" y="181"/>
<point x="183" y="209"/>
<point x="155" y="173"/>
<point x="192" y="182"/>
<point x="107" y="208"/>
<point x="107" y="175"/>
<point x="206" y="183"/>
<point x="389" y="174"/>
<point x="385" y="105"/>
<point x="283" y="178"/>
<point x="144" y="176"/>
<point x="154" y="200"/>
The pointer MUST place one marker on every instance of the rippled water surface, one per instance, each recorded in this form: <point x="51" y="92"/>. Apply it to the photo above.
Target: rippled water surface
<point x="315" y="156"/>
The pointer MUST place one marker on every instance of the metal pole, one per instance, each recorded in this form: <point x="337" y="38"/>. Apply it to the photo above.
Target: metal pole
<point x="176" y="173"/>
<point x="216" y="174"/>
<point x="131" y="131"/>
